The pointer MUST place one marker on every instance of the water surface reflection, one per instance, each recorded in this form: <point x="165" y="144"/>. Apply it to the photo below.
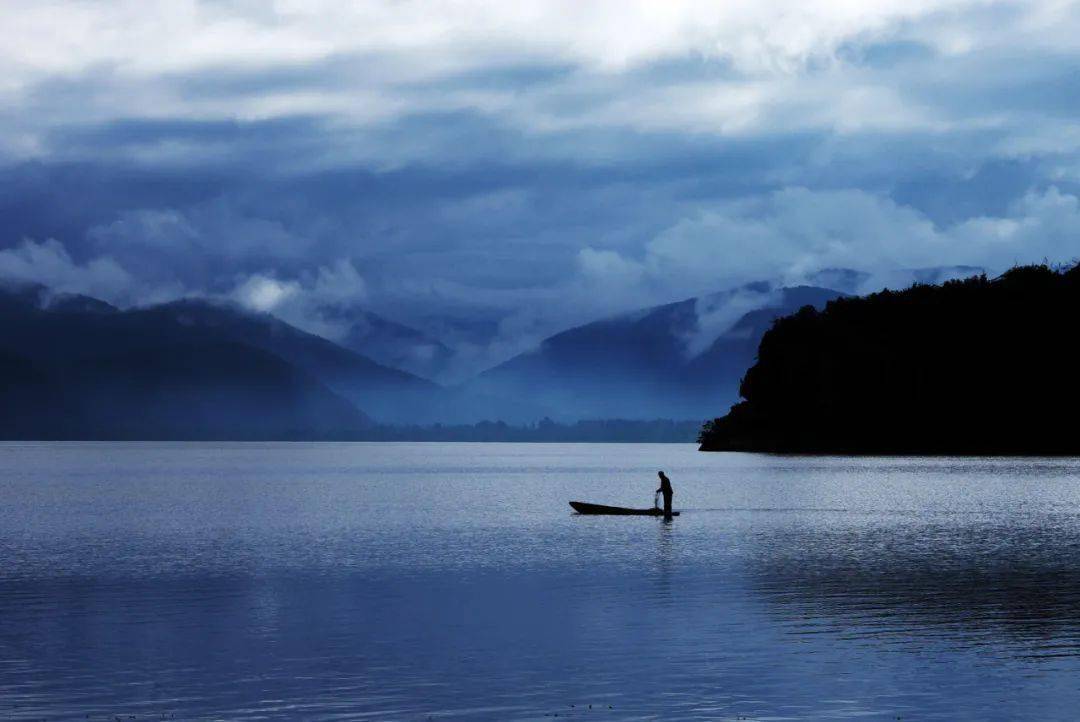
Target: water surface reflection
<point x="391" y="581"/>
<point x="1013" y="584"/>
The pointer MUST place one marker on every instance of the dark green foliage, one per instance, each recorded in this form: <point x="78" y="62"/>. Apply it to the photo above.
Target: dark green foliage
<point x="978" y="366"/>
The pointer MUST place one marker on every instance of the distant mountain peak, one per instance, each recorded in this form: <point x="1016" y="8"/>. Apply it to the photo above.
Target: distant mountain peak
<point x="391" y="343"/>
<point x="28" y="294"/>
<point x="674" y="360"/>
<point x="77" y="303"/>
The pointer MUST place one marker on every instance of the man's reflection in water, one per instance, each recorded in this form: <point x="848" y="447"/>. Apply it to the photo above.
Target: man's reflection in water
<point x="664" y="559"/>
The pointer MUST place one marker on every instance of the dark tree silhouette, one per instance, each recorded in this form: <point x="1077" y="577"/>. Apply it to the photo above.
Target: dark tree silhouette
<point x="978" y="366"/>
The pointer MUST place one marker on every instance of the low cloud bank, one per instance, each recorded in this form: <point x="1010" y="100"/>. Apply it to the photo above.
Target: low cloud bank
<point x="850" y="240"/>
<point x="313" y="301"/>
<point x="49" y="264"/>
<point x="798" y="235"/>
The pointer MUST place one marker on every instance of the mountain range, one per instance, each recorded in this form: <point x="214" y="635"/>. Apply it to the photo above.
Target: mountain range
<point x="76" y="367"/>
<point x="678" y="360"/>
<point x="391" y="343"/>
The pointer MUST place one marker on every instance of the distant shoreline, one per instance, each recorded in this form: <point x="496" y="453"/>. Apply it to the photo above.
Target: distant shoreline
<point x="593" y="431"/>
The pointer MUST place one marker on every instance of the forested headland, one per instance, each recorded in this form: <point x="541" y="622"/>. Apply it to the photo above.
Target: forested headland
<point x="975" y="366"/>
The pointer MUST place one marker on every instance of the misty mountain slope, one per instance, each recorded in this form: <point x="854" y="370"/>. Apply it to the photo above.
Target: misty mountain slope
<point x="723" y="363"/>
<point x="389" y="395"/>
<point x="35" y="407"/>
<point x="383" y="392"/>
<point x="676" y="361"/>
<point x="391" y="343"/>
<point x="98" y="373"/>
<point x="209" y="390"/>
<point x="16" y="296"/>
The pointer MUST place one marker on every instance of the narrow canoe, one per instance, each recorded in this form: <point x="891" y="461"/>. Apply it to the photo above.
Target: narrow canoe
<point x="582" y="507"/>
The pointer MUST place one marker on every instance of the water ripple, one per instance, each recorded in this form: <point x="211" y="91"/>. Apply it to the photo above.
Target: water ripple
<point x="371" y="581"/>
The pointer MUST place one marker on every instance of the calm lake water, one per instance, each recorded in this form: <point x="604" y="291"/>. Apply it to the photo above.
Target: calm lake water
<point x="452" y="581"/>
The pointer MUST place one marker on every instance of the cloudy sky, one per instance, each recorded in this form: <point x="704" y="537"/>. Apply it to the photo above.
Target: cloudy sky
<point x="493" y="171"/>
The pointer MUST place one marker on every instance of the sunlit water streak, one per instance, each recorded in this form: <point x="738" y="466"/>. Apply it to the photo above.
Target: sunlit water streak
<point x="416" y="581"/>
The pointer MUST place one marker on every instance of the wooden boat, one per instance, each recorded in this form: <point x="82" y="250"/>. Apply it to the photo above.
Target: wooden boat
<point x="582" y="507"/>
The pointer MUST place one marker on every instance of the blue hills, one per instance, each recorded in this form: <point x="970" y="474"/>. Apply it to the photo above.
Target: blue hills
<point x="76" y="367"/>
<point x="679" y="360"/>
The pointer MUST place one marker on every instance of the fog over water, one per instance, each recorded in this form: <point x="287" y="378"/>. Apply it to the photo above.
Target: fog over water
<point x="402" y="581"/>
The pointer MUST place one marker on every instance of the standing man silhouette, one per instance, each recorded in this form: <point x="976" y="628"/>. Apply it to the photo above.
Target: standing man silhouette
<point x="667" y="491"/>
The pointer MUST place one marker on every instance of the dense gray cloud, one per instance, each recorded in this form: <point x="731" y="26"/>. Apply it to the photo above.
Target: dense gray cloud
<point x="48" y="263"/>
<point x="493" y="172"/>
